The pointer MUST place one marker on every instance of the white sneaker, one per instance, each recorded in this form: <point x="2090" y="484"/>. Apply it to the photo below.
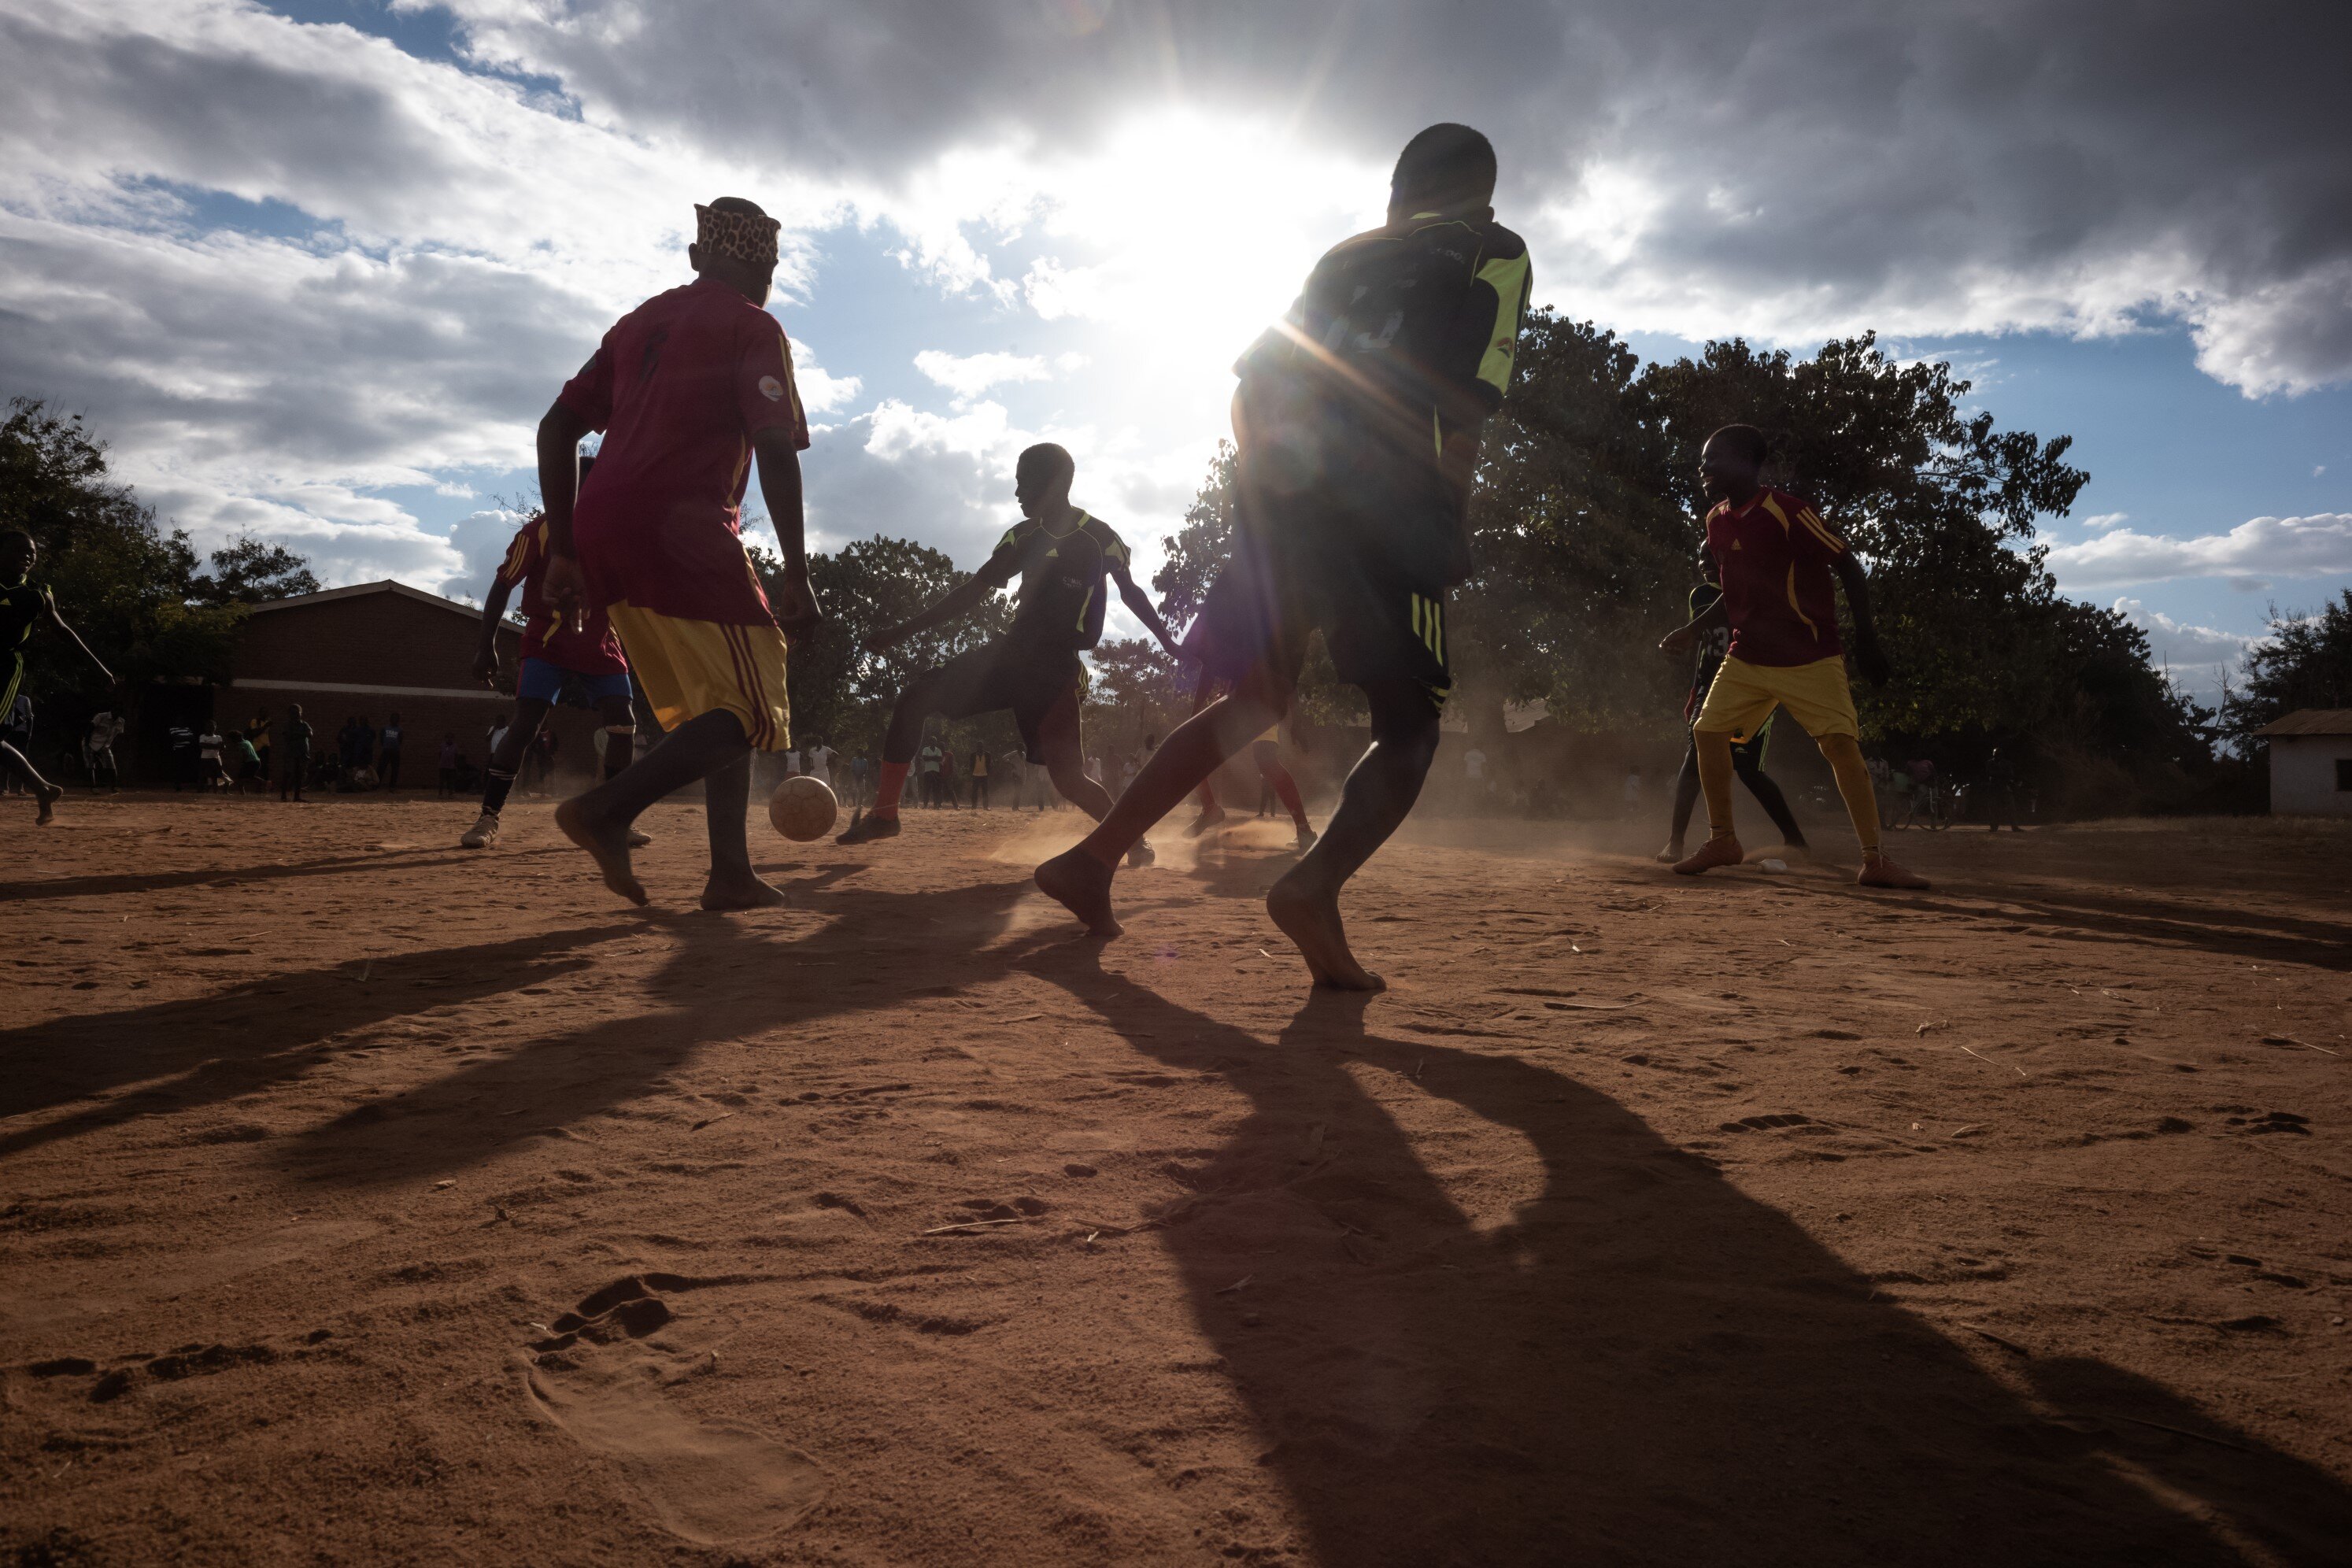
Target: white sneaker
<point x="483" y="834"/>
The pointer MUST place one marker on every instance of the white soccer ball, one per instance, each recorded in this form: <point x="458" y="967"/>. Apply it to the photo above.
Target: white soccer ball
<point x="802" y="809"/>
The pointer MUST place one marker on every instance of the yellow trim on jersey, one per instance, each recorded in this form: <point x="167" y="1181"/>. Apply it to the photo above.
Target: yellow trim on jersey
<point x="1429" y="625"/>
<point x="1512" y="279"/>
<point x="1813" y="521"/>
<point x="1792" y="603"/>
<point x="1774" y="507"/>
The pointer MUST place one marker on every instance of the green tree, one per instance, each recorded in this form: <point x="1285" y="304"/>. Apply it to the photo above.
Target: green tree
<point x="2305" y="662"/>
<point x="249" y="571"/>
<point x="126" y="585"/>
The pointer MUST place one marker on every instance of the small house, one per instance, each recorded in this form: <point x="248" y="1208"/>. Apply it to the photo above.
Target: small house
<point x="2311" y="762"/>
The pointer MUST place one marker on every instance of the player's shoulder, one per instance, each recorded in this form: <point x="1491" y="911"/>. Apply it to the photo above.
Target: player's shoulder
<point x="1496" y="242"/>
<point x="1105" y="535"/>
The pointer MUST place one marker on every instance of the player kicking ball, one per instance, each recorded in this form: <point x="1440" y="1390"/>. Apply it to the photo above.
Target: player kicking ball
<point x="588" y="662"/>
<point x="686" y="387"/>
<point x="1780" y="568"/>
<point x="1356" y="426"/>
<point x="23" y="605"/>
<point x="1061" y="555"/>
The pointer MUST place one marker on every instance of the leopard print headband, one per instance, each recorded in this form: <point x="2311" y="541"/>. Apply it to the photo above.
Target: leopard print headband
<point x="748" y="237"/>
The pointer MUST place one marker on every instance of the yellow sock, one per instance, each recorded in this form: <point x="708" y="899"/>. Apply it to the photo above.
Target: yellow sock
<point x="1843" y="753"/>
<point x="1715" y="779"/>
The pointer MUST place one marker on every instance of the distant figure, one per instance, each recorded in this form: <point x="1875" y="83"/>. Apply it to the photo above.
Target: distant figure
<point x="2001" y="790"/>
<point x="210" y="775"/>
<point x="1632" y="789"/>
<point x="257" y="732"/>
<point x="250" y="778"/>
<point x="23" y="605"/>
<point x="105" y="727"/>
<point x="817" y="760"/>
<point x="979" y="777"/>
<point x="447" y="763"/>
<point x="860" y="769"/>
<point x="294" y="754"/>
<point x="387" y="753"/>
<point x="927" y="762"/>
<point x="1064" y="557"/>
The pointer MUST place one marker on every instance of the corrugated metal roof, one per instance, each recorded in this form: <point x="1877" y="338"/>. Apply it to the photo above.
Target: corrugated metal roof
<point x="2311" y="721"/>
<point x="326" y="596"/>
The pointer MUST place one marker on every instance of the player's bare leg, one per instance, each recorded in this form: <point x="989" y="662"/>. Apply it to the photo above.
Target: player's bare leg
<point x="1080" y="878"/>
<point x="1379" y="792"/>
<point x="1843" y="753"/>
<point x="620" y="749"/>
<point x="733" y="885"/>
<point x="1722" y="848"/>
<point x="599" y="820"/>
<point x="45" y="794"/>
<point x="1211" y="811"/>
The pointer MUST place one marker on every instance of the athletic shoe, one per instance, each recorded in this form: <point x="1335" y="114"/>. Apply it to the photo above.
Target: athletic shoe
<point x="866" y="829"/>
<point x="483" y="834"/>
<point x="1141" y="855"/>
<point x="1882" y="872"/>
<point x="638" y="839"/>
<point x="1713" y="853"/>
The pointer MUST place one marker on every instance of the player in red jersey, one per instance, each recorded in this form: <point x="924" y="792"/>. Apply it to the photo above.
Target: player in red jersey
<point x="1780" y="567"/>
<point x="586" y="666"/>
<point x="688" y="388"/>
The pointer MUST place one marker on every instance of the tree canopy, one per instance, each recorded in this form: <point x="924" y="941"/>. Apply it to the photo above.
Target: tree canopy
<point x="2306" y="662"/>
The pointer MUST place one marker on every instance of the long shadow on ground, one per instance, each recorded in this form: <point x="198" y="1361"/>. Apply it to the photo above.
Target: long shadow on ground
<point x="1641" y="1365"/>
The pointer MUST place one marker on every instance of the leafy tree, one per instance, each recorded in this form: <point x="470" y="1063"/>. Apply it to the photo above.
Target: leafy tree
<point x="251" y="571"/>
<point x="124" y="584"/>
<point x="2306" y="662"/>
<point x="1136" y="693"/>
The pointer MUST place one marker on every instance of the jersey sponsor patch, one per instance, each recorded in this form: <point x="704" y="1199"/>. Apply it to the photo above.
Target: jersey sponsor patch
<point x="771" y="389"/>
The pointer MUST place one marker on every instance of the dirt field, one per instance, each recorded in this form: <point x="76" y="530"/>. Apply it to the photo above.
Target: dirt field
<point x="363" y="1200"/>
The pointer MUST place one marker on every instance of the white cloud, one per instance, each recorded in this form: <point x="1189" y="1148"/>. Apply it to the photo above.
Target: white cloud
<point x="2261" y="548"/>
<point x="2183" y="642"/>
<point x="969" y="375"/>
<point x="2105" y="519"/>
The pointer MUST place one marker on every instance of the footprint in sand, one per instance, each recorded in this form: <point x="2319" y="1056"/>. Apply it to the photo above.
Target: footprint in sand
<point x="596" y="1380"/>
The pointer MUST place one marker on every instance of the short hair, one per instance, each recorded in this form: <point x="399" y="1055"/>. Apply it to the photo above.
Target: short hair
<point x="1744" y="439"/>
<point x="1049" y="462"/>
<point x="743" y="205"/>
<point x="16" y="533"/>
<point x="1445" y="165"/>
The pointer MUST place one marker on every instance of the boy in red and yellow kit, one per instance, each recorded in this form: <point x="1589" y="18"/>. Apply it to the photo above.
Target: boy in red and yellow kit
<point x="688" y="388"/>
<point x="1782" y="567"/>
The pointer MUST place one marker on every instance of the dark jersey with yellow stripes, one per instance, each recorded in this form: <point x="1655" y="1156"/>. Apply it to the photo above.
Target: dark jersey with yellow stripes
<point x="22" y="605"/>
<point x="1403" y="336"/>
<point x="1062" y="594"/>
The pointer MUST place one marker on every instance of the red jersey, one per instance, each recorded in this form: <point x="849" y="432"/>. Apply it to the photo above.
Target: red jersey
<point x="680" y="386"/>
<point x="593" y="649"/>
<point x="1778" y="590"/>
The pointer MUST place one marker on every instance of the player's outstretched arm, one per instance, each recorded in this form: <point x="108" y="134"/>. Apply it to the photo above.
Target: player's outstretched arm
<point x="1867" y="654"/>
<point x="560" y="430"/>
<point x="955" y="603"/>
<point x="1682" y="636"/>
<point x="780" y="487"/>
<point x="1141" y="604"/>
<point x="74" y="637"/>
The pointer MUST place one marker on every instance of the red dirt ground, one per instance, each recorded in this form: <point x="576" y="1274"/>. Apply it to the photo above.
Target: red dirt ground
<point x="1753" y="1220"/>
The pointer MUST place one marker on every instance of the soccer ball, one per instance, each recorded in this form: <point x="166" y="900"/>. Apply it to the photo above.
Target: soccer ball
<point x="802" y="809"/>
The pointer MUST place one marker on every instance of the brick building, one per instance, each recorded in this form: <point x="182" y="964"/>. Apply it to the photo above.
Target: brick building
<point x="379" y="648"/>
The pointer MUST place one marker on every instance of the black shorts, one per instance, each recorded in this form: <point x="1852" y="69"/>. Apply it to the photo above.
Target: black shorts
<point x="1028" y="680"/>
<point x="1273" y="594"/>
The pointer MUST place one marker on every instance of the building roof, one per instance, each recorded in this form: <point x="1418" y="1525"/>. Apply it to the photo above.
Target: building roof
<point x="2311" y="721"/>
<point x="471" y="612"/>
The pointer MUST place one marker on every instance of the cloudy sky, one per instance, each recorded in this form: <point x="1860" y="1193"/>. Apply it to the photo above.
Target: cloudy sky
<point x="315" y="268"/>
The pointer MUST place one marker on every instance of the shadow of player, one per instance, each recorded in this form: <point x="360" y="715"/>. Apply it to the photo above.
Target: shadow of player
<point x="1639" y="1362"/>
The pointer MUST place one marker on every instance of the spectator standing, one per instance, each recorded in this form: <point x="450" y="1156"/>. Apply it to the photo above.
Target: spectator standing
<point x="98" y="750"/>
<point x="979" y="777"/>
<point x="387" y="753"/>
<point x="210" y="775"/>
<point x="250" y="778"/>
<point x="258" y="733"/>
<point x="448" y="764"/>
<point x="294" y="754"/>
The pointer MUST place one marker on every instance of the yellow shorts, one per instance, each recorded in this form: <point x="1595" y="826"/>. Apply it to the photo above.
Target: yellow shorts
<point x="1743" y="695"/>
<point x="688" y="668"/>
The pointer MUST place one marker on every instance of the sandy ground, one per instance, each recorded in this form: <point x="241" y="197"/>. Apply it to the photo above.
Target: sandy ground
<point x="363" y="1200"/>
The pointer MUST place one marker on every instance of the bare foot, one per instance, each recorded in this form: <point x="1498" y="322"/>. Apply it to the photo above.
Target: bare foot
<point x="1311" y="919"/>
<point x="738" y="891"/>
<point x="607" y="844"/>
<point x="48" y="799"/>
<point x="1205" y="821"/>
<point x="1081" y="884"/>
<point x="1713" y="853"/>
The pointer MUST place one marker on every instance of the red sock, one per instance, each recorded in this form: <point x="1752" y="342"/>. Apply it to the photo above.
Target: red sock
<point x="1208" y="797"/>
<point x="893" y="784"/>
<point x="1286" y="789"/>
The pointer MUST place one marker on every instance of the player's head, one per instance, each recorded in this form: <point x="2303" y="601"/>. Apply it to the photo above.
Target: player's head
<point x="735" y="243"/>
<point x="1042" y="477"/>
<point x="18" y="553"/>
<point x="1731" y="464"/>
<point x="1447" y="169"/>
<point x="293" y="710"/>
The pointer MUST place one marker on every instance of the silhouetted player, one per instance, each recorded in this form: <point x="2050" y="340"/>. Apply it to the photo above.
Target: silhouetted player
<point x="688" y="388"/>
<point x="1357" y="424"/>
<point x="586" y="664"/>
<point x="23" y="605"/>
<point x="1061" y="555"/>
<point x="1780" y="567"/>
<point x="1747" y="756"/>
